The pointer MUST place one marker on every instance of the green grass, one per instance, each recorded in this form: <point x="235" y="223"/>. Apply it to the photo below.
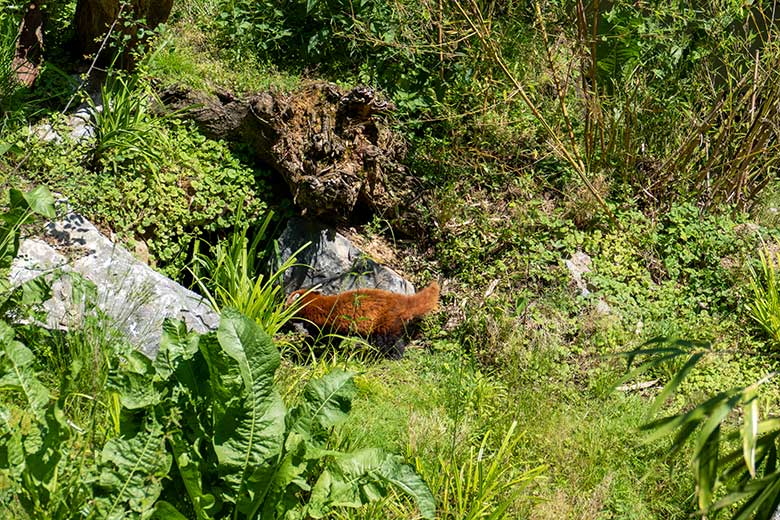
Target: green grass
<point x="598" y="467"/>
<point x="432" y="405"/>
<point x="182" y="56"/>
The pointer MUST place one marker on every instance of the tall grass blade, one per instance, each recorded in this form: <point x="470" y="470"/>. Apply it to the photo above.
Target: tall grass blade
<point x="750" y="430"/>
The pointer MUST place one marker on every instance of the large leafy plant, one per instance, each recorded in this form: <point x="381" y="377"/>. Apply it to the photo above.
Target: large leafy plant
<point x="733" y="451"/>
<point x="201" y="432"/>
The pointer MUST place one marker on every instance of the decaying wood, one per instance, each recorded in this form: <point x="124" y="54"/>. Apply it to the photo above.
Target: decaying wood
<point x="332" y="147"/>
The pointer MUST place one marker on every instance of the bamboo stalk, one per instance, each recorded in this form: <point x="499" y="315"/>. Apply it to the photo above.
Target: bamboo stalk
<point x="558" y="146"/>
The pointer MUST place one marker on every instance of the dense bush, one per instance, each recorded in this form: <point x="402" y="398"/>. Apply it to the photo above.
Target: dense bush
<point x="194" y="190"/>
<point x="202" y="429"/>
<point x="416" y="51"/>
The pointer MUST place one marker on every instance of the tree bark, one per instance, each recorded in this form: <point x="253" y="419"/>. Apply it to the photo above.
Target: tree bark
<point x="94" y="17"/>
<point x="29" y="46"/>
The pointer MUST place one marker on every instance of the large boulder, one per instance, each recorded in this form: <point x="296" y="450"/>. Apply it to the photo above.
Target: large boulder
<point x="332" y="261"/>
<point x="133" y="295"/>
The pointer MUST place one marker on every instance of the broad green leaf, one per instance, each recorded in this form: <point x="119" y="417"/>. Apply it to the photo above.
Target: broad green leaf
<point x="403" y="477"/>
<point x="289" y="480"/>
<point x="330" y="397"/>
<point x="38" y="200"/>
<point x="165" y="511"/>
<point x="189" y="462"/>
<point x="135" y="391"/>
<point x="176" y="344"/>
<point x="133" y="383"/>
<point x="355" y="479"/>
<point x="349" y="482"/>
<point x="12" y="459"/>
<point x="132" y="472"/>
<point x="42" y="463"/>
<point x="41" y="201"/>
<point x="34" y="291"/>
<point x="326" y="402"/>
<point x="249" y="424"/>
<point x="16" y="367"/>
<point x="42" y="447"/>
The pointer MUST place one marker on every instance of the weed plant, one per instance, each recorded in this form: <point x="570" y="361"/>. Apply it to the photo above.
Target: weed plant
<point x="188" y="193"/>
<point x="126" y="131"/>
<point x="231" y="276"/>
<point x="764" y="308"/>
<point x="484" y="485"/>
<point x="8" y="83"/>
<point x="217" y="462"/>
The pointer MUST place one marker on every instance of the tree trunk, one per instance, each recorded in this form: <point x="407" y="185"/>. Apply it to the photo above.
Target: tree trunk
<point x="94" y="17"/>
<point x="29" y="46"/>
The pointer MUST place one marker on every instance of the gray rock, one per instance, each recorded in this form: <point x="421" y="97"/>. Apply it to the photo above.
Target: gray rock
<point x="80" y="124"/>
<point x="333" y="261"/>
<point x="578" y="265"/>
<point x="136" y="297"/>
<point x="46" y="133"/>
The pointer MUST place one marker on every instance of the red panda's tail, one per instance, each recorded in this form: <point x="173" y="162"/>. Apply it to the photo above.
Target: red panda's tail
<point x="424" y="301"/>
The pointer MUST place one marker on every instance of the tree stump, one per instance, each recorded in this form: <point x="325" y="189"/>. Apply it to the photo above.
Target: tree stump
<point x="342" y="163"/>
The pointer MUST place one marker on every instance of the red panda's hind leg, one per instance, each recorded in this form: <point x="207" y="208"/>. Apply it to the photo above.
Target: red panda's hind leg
<point x="391" y="346"/>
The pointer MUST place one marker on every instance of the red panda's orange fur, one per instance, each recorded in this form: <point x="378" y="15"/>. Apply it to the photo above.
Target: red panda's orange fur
<point x="366" y="311"/>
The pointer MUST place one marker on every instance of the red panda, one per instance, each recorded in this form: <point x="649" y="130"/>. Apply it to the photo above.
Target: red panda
<point x="368" y="312"/>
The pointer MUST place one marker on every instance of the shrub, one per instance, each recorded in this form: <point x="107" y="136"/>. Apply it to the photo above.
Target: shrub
<point x="201" y="429"/>
<point x="197" y="188"/>
<point x="168" y="200"/>
<point x="409" y="49"/>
